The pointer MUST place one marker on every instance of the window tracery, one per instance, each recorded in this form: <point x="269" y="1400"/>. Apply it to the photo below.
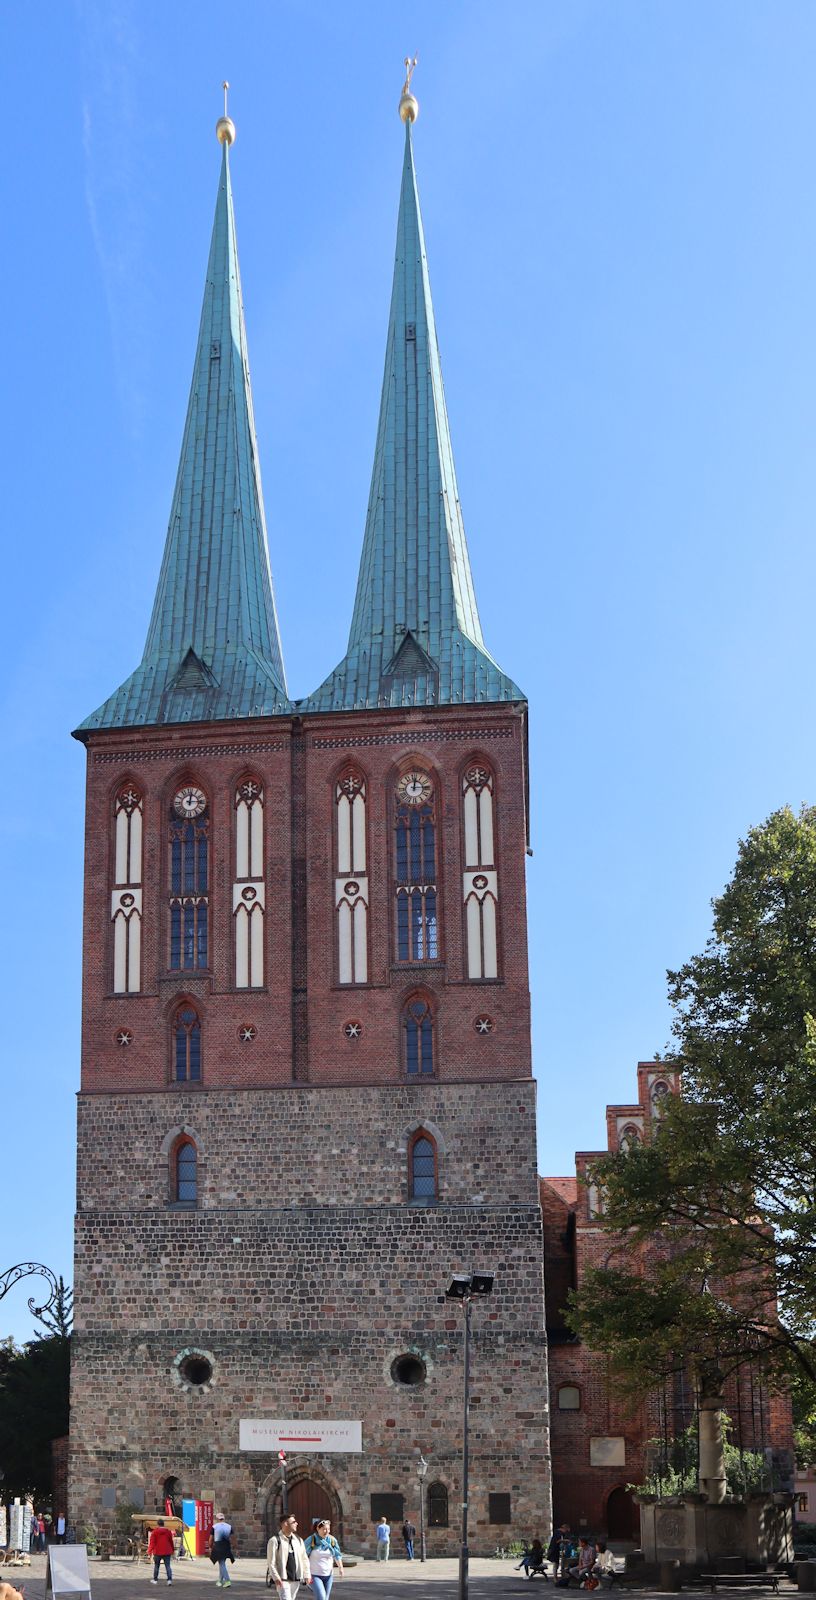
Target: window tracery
<point x="351" y="878"/>
<point x="418" y="1024"/>
<point x="480" y="879"/>
<point x="187" y="1045"/>
<point x="126" y="894"/>
<point x="189" y="844"/>
<point x="249" y="887"/>
<point x="415" y="868"/>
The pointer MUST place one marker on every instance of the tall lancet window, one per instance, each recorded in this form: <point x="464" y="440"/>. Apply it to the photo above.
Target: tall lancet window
<point x="351" y="878"/>
<point x="248" y="896"/>
<point x="415" y="868"/>
<point x="126" y="895"/>
<point x="189" y="879"/>
<point x="480" y="879"/>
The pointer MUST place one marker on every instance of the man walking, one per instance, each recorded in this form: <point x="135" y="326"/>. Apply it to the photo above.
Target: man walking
<point x="160" y="1546"/>
<point x="383" y="1539"/>
<point x="409" y="1535"/>
<point x="287" y="1561"/>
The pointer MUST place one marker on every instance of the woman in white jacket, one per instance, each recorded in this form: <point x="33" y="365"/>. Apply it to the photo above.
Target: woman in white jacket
<point x="286" y="1560"/>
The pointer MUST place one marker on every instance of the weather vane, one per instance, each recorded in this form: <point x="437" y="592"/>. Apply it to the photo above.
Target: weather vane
<point x="409" y="105"/>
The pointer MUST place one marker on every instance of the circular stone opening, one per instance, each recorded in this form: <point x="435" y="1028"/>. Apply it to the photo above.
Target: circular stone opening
<point x="409" y="1370"/>
<point x="196" y="1370"/>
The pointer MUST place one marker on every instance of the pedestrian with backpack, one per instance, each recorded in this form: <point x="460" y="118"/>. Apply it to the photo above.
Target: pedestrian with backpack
<point x="286" y="1559"/>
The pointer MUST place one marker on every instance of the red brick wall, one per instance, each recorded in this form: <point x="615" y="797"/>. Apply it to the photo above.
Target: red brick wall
<point x="302" y="958"/>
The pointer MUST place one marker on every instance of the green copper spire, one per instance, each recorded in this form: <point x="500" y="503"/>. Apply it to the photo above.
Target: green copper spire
<point x="415" y="634"/>
<point x="213" y="650"/>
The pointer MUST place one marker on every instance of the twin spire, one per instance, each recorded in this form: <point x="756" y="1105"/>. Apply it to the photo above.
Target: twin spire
<point x="213" y="650"/>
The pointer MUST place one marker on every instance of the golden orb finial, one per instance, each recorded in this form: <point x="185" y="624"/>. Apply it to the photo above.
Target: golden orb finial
<point x="225" y="127"/>
<point x="409" y="105"/>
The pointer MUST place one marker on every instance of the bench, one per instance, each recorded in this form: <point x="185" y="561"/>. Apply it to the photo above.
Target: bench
<point x="737" y="1580"/>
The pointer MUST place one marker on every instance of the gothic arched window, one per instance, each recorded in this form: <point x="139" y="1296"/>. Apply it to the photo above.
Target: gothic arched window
<point x="185" y="1173"/>
<point x="186" y="1045"/>
<point x="659" y="1096"/>
<point x="415" y="867"/>
<point x="437" y="1505"/>
<point x="418" y="1023"/>
<point x="630" y="1136"/>
<point x="351" y="878"/>
<point x="189" y="841"/>
<point x="422" y="1179"/>
<point x="126" y="895"/>
<point x="249" y="889"/>
<point x="480" y="882"/>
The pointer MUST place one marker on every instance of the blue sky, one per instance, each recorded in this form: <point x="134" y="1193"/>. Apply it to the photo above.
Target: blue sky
<point x="618" y="204"/>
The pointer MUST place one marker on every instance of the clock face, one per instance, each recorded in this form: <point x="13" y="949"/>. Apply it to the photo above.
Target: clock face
<point x="415" y="788"/>
<point x="189" y="802"/>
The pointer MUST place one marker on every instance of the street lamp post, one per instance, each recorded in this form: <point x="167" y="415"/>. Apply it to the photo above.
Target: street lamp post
<point x="463" y="1287"/>
<point x="422" y="1468"/>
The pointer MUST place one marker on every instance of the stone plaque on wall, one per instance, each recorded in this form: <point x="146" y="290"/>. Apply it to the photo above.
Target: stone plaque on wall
<point x="607" y="1452"/>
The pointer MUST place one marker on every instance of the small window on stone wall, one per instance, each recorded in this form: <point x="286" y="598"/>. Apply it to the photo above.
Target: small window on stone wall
<point x="437" y="1505"/>
<point x="409" y="1370"/>
<point x="108" y="1496"/>
<point x="498" y="1508"/>
<point x="390" y="1506"/>
<point x="569" y="1397"/>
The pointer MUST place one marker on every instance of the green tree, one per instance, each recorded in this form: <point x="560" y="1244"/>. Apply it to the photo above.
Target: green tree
<point x="34" y="1385"/>
<point x="714" y="1219"/>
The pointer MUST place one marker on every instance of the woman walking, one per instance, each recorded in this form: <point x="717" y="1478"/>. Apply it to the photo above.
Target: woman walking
<point x="221" y="1549"/>
<point x="324" y="1555"/>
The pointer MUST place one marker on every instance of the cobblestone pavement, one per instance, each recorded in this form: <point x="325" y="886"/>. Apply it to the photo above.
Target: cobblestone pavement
<point x="404" y="1580"/>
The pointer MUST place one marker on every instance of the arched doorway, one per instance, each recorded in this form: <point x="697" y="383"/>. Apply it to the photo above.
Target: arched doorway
<point x="171" y="1492"/>
<point x="622" y="1516"/>
<point x="308" y="1495"/>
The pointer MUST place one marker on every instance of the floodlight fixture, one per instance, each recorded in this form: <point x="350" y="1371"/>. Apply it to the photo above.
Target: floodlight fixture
<point x="459" y="1287"/>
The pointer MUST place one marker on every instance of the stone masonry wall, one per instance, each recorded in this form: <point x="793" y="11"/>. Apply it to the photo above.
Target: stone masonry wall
<point x="299" y="1146"/>
<point x="302" y="1313"/>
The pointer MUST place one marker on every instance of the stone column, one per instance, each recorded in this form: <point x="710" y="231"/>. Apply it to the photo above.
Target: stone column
<point x="711" y="1473"/>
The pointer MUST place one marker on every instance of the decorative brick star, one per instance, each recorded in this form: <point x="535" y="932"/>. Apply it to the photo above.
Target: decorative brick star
<point x="124" y="1036"/>
<point x="247" y="1033"/>
<point x="353" y="1030"/>
<point x="484" y="1024"/>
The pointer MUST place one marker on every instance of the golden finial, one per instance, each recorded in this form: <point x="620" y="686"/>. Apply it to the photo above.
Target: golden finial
<point x="409" y="105"/>
<point x="225" y="127"/>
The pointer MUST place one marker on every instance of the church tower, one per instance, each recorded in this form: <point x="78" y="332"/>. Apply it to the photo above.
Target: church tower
<point x="306" y="1094"/>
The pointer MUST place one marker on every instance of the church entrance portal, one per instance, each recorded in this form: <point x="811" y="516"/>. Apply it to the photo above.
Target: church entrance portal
<point x="622" y="1516"/>
<point x="306" y="1499"/>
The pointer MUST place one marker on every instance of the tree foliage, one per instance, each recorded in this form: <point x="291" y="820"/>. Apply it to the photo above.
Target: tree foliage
<point x="712" y="1222"/>
<point x="34" y="1401"/>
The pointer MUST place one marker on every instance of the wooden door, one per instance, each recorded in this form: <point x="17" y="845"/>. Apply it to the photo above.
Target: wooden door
<point x="306" y="1500"/>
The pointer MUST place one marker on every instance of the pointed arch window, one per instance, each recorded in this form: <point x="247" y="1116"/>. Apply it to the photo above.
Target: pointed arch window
<point x="418" y="1026"/>
<point x="186" y="1045"/>
<point x="351" y="878"/>
<point x="185" y="1173"/>
<point x="415" y="867"/>
<point x="126" y="893"/>
<point x="630" y="1136"/>
<point x="422" y="1168"/>
<point x="189" y="846"/>
<point x="437" y="1505"/>
<point x="249" y="889"/>
<point x="480" y="891"/>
